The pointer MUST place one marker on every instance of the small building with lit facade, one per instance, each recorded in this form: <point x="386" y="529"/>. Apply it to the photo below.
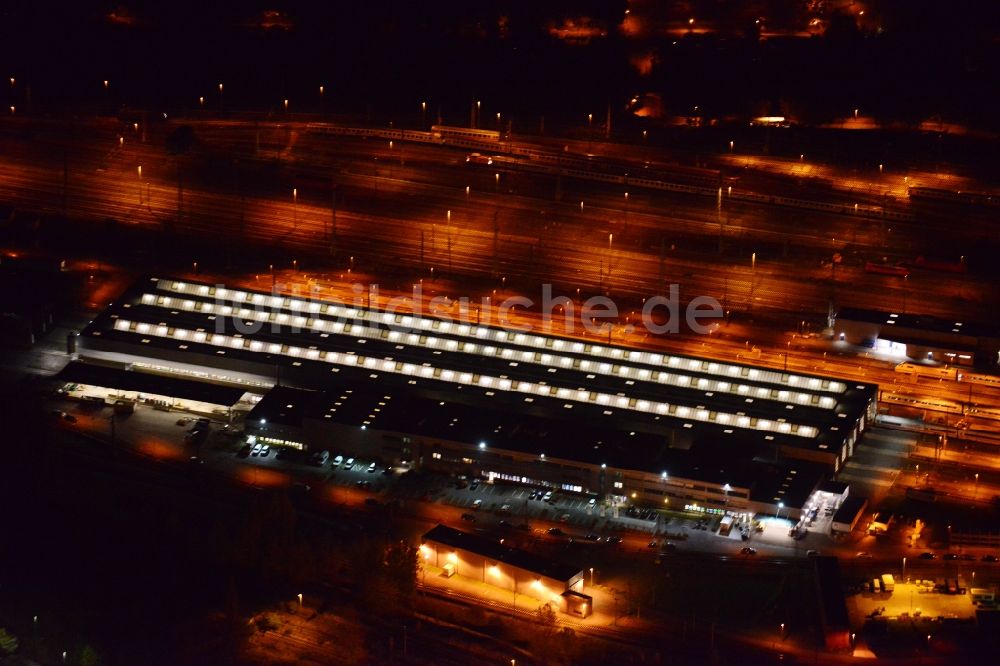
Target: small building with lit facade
<point x="486" y="560"/>
<point x="919" y="337"/>
<point x="508" y="406"/>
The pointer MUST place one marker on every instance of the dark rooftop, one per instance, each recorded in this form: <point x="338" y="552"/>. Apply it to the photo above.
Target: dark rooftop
<point x="831" y="594"/>
<point x="849" y="509"/>
<point x="493" y="550"/>
<point x="143" y="382"/>
<point x="919" y="322"/>
<point x="557" y="434"/>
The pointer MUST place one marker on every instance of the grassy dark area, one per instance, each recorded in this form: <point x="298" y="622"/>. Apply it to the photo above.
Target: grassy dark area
<point x="137" y="561"/>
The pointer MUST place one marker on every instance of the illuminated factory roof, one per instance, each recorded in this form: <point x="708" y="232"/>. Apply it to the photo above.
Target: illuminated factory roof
<point x="647" y="391"/>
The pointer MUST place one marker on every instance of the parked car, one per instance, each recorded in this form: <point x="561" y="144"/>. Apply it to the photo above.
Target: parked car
<point x="747" y="550"/>
<point x="349" y="464"/>
<point x="468" y="517"/>
<point x="928" y="556"/>
<point x="812" y="553"/>
<point x="265" y="450"/>
<point x="256" y="449"/>
<point x="371" y="468"/>
<point x="474" y="485"/>
<point x="613" y="539"/>
<point x="338" y="461"/>
<point x="244" y="451"/>
<point x="951" y="556"/>
<point x="590" y="536"/>
<point x="989" y="558"/>
<point x="555" y="531"/>
<point x="864" y="555"/>
<point x="478" y="503"/>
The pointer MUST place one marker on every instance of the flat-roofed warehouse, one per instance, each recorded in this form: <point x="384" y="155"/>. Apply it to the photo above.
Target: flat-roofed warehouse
<point x="490" y="562"/>
<point x="631" y="411"/>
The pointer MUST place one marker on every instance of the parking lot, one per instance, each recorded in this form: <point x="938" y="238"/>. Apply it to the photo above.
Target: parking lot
<point x="560" y="516"/>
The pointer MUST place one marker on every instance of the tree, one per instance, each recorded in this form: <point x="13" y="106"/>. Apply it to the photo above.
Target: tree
<point x="8" y="642"/>
<point x="546" y="617"/>
<point x="89" y="656"/>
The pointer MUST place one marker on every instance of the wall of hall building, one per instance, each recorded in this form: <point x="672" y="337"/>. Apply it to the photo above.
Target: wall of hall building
<point x="500" y="574"/>
<point x="504" y="466"/>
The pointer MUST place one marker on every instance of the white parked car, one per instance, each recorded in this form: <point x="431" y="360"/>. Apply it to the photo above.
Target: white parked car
<point x="338" y="460"/>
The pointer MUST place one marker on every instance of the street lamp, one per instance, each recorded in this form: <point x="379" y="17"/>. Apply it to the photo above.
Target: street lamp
<point x="976" y="490"/>
<point x="300" y="600"/>
<point x="777" y="513"/>
<point x="904" y="568"/>
<point x="295" y="207"/>
<point x="592" y="576"/>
